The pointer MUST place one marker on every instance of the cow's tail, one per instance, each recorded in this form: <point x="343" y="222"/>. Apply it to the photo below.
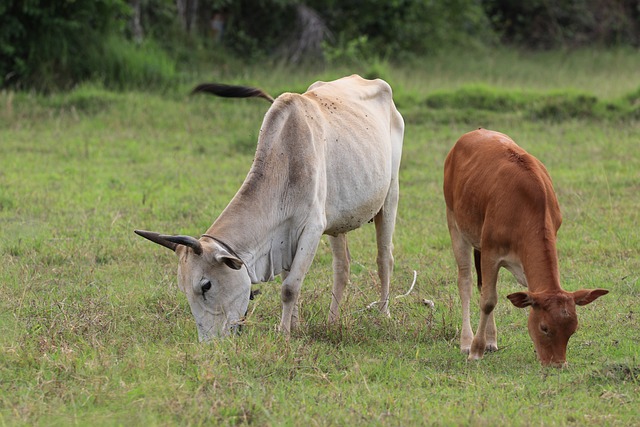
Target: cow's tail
<point x="230" y="91"/>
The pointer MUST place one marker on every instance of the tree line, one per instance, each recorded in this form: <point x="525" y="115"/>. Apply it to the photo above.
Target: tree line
<point x="56" y="44"/>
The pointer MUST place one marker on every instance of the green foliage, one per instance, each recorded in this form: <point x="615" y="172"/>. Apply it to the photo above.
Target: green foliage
<point x="545" y="24"/>
<point x="256" y="29"/>
<point x="555" y="105"/>
<point x="50" y="46"/>
<point x="373" y="28"/>
<point x="45" y="44"/>
<point x="479" y="97"/>
<point x="404" y="27"/>
<point x="565" y="105"/>
<point x="355" y="50"/>
<point x="633" y="99"/>
<point x="126" y="65"/>
<point x="163" y="29"/>
<point x="85" y="99"/>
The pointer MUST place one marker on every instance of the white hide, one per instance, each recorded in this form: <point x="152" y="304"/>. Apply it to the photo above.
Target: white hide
<point x="327" y="162"/>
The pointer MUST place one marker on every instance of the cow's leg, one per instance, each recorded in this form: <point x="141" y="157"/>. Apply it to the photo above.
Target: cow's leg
<point x="295" y="317"/>
<point x="462" y="253"/>
<point x="486" y="335"/>
<point x="341" y="262"/>
<point x="306" y="250"/>
<point x="385" y="222"/>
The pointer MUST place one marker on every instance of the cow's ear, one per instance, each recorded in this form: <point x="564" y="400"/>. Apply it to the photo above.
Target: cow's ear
<point x="521" y="299"/>
<point x="586" y="296"/>
<point x="229" y="260"/>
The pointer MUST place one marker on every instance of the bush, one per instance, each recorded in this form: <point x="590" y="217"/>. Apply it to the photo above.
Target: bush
<point x="479" y="97"/>
<point x="124" y="65"/>
<point x="45" y="44"/>
<point x="358" y="28"/>
<point x="552" y="106"/>
<point x="564" y="105"/>
<point x="405" y="27"/>
<point x="57" y="45"/>
<point x="549" y="24"/>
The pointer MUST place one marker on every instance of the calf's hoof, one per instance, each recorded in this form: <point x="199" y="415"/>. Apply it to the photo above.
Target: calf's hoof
<point x="491" y="348"/>
<point x="474" y="356"/>
<point x="477" y="350"/>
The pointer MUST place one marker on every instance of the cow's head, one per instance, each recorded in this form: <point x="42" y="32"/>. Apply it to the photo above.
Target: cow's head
<point x="553" y="319"/>
<point x="214" y="280"/>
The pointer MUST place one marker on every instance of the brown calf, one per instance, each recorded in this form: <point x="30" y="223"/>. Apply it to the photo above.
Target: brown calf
<point x="501" y="203"/>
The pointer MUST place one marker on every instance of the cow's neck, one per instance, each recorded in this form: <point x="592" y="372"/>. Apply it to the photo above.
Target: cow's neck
<point x="540" y="262"/>
<point x="258" y="223"/>
<point x="264" y="239"/>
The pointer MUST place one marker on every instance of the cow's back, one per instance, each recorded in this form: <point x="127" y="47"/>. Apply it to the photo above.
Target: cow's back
<point x="360" y="132"/>
<point x="333" y="152"/>
<point x="492" y="184"/>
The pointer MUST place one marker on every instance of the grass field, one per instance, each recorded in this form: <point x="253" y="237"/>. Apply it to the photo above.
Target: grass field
<point x="93" y="330"/>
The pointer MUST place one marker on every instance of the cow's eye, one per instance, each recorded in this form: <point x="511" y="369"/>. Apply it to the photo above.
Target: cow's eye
<point x="204" y="288"/>
<point x="544" y="329"/>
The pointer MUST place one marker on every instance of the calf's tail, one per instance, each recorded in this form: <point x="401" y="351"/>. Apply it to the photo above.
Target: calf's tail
<point x="230" y="91"/>
<point x="477" y="261"/>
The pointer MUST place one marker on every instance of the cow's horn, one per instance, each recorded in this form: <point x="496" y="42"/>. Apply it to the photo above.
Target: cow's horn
<point x="157" y="238"/>
<point x="189" y="241"/>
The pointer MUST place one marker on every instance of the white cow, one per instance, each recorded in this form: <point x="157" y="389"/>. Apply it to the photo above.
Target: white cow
<point x="327" y="162"/>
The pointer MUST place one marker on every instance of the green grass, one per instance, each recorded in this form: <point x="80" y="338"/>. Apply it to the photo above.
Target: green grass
<point x="93" y="330"/>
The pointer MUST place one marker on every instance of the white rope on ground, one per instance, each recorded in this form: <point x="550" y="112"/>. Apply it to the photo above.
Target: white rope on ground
<point x="415" y="276"/>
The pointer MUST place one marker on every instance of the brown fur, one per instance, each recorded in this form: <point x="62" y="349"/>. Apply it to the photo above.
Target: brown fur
<point x="501" y="203"/>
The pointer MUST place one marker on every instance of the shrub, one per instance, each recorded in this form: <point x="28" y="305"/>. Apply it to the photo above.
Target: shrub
<point x="479" y="97"/>
<point x="555" y="106"/>
<point x="564" y="105"/>
<point x="548" y="24"/>
<point x="44" y="44"/>
<point x="124" y="64"/>
<point x="417" y="27"/>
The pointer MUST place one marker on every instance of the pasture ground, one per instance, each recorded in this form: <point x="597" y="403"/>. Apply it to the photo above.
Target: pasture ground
<point x="93" y="330"/>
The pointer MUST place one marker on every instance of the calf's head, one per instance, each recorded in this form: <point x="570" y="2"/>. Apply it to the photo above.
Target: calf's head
<point x="553" y="319"/>
<point x="214" y="280"/>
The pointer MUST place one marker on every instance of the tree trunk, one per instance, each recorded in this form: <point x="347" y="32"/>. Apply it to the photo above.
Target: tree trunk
<point x="181" y="5"/>
<point x="188" y="14"/>
<point x="193" y="16"/>
<point x="136" y="27"/>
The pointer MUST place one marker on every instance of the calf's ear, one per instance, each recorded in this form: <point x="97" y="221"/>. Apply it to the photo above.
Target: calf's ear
<point x="586" y="296"/>
<point x="521" y="299"/>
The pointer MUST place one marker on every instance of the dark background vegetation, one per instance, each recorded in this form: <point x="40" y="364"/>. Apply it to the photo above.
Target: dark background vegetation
<point x="52" y="45"/>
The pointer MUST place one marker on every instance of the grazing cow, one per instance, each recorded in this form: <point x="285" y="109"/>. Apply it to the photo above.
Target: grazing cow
<point x="500" y="203"/>
<point x="327" y="162"/>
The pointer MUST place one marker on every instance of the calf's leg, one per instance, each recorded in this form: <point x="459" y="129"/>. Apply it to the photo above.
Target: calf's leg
<point x="491" y="332"/>
<point x="462" y="253"/>
<point x="486" y="335"/>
